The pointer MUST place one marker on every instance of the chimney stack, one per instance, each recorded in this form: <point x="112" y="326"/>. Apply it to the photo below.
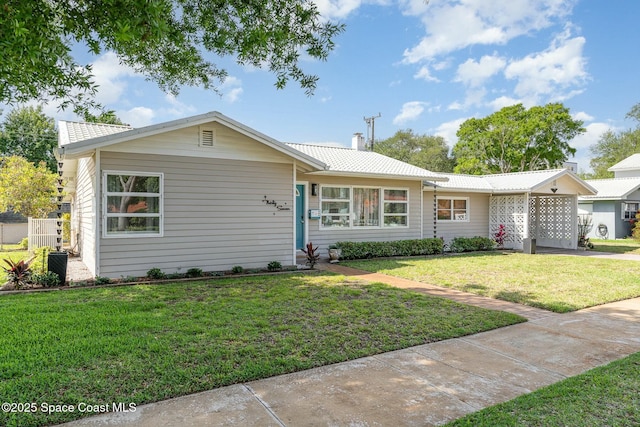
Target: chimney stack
<point x="357" y="142"/>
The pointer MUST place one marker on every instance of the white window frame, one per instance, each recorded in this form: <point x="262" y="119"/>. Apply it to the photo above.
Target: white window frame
<point x="467" y="214"/>
<point x="349" y="225"/>
<point x="625" y="210"/>
<point x="387" y="215"/>
<point x="106" y="214"/>
<point x="332" y="217"/>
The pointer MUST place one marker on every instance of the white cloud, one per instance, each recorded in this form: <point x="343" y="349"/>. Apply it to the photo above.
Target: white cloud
<point x="454" y="25"/>
<point x="591" y="136"/>
<point x="231" y="89"/>
<point x="110" y="76"/>
<point x="410" y="111"/>
<point x="474" y="73"/>
<point x="552" y="71"/>
<point x="337" y="9"/>
<point x="504" y="101"/>
<point x="448" y="131"/>
<point x="583" y="142"/>
<point x="425" y="74"/>
<point x="137" y="116"/>
<point x="583" y="116"/>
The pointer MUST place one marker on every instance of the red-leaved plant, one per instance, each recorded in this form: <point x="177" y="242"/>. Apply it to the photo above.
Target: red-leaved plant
<point x="312" y="256"/>
<point x="500" y="236"/>
<point x="18" y="272"/>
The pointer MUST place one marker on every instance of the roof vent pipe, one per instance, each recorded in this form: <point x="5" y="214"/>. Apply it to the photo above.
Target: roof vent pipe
<point x="357" y="142"/>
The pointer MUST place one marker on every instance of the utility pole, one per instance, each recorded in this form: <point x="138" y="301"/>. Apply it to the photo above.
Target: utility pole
<point x="371" y="126"/>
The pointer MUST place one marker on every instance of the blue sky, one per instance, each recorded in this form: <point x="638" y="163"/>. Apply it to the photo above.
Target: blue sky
<point x="422" y="66"/>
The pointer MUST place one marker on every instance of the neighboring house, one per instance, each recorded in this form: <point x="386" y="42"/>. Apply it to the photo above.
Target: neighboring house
<point x="617" y="201"/>
<point x="540" y="205"/>
<point x="209" y="192"/>
<point x="13" y="227"/>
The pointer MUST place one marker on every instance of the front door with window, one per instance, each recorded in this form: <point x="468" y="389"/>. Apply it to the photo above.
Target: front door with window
<point x="300" y="216"/>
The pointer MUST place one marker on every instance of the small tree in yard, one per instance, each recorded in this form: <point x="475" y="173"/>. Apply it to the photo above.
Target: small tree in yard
<point x="635" y="231"/>
<point x="27" y="189"/>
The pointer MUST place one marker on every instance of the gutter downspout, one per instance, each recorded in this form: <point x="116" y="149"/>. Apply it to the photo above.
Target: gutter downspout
<point x="99" y="215"/>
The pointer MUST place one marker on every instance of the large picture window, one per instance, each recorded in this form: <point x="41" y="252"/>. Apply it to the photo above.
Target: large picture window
<point x="132" y="204"/>
<point x="453" y="209"/>
<point x="364" y="207"/>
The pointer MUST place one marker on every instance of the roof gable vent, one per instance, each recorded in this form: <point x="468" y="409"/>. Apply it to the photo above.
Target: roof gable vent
<point x="207" y="137"/>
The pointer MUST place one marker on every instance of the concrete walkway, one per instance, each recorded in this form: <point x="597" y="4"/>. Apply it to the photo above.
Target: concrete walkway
<point x="425" y="385"/>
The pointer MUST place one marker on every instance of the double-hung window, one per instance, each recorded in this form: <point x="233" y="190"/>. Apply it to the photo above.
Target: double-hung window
<point x="630" y="209"/>
<point x="336" y="206"/>
<point x="132" y="204"/>
<point x="396" y="208"/>
<point x="360" y="207"/>
<point x="453" y="209"/>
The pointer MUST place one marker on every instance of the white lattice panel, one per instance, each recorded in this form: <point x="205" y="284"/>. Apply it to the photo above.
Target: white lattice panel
<point x="510" y="211"/>
<point x="552" y="220"/>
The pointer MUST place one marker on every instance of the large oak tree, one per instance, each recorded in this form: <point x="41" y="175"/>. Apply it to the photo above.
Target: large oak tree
<point x="169" y="41"/>
<point x="425" y="151"/>
<point x="515" y="139"/>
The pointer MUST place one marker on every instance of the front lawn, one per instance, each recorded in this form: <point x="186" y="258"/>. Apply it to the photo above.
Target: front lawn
<point x="619" y="246"/>
<point x="602" y="397"/>
<point x="553" y="282"/>
<point x="146" y="343"/>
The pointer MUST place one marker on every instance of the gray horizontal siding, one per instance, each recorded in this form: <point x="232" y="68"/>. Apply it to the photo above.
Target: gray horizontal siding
<point x="214" y="216"/>
<point x="478" y="224"/>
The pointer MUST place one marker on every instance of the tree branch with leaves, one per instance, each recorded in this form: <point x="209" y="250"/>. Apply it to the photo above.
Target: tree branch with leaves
<point x="168" y="41"/>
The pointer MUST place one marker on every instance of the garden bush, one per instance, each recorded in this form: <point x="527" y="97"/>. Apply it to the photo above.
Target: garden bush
<point x="471" y="244"/>
<point x="360" y="250"/>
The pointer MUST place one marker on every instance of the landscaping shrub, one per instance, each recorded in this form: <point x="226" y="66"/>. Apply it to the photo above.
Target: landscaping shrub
<point x="360" y="250"/>
<point x="156" y="274"/>
<point x="274" y="266"/>
<point x="471" y="244"/>
<point x="237" y="269"/>
<point x="48" y="279"/>
<point x="194" y="272"/>
<point x="101" y="280"/>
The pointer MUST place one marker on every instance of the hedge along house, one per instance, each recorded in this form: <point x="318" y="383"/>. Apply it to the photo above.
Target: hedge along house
<point x="209" y="192"/>
<point x="541" y="205"/>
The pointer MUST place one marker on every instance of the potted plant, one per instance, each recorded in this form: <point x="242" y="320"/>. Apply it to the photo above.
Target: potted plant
<point x="334" y="253"/>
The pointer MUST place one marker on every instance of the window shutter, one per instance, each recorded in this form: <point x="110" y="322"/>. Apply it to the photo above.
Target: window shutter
<point x="207" y="137"/>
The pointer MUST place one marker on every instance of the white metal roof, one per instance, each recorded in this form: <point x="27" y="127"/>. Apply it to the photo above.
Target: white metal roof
<point x="72" y="132"/>
<point x="630" y="163"/>
<point x="613" y="188"/>
<point x="347" y="161"/>
<point x="529" y="181"/>
<point x="77" y="139"/>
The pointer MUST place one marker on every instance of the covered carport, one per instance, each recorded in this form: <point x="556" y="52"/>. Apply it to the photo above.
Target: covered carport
<point x="545" y="210"/>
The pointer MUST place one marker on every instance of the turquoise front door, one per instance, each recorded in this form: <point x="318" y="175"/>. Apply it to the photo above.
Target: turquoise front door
<point x="299" y="216"/>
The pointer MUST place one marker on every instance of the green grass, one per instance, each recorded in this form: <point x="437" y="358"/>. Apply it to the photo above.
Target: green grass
<point x="602" y="397"/>
<point x="619" y="246"/>
<point x="553" y="282"/>
<point x="151" y="342"/>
